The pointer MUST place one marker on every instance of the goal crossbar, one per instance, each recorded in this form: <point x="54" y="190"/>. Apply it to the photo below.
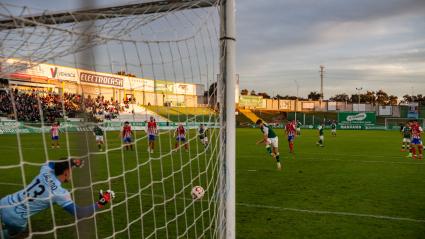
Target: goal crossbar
<point x="104" y="13"/>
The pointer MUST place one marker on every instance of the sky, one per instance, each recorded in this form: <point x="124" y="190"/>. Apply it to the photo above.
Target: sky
<point x="373" y="45"/>
<point x="369" y="44"/>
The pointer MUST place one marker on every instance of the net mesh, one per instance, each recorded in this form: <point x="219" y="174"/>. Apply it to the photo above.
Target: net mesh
<point x="103" y="68"/>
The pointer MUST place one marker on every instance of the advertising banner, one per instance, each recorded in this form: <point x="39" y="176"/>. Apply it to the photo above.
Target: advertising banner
<point x="251" y="101"/>
<point x="355" y="118"/>
<point x="101" y="79"/>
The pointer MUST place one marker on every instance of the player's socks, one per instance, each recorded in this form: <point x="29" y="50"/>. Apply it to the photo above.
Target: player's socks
<point x="277" y="157"/>
<point x="279" y="166"/>
<point x="269" y="149"/>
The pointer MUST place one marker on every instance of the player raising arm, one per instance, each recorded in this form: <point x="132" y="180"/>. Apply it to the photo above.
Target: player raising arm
<point x="98" y="132"/>
<point x="45" y="190"/>
<point x="271" y="141"/>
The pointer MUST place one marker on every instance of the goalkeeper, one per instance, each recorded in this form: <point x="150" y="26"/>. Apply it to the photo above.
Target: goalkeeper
<point x="44" y="190"/>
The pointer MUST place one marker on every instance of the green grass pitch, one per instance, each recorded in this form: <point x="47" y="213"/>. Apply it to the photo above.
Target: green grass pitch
<point x="358" y="186"/>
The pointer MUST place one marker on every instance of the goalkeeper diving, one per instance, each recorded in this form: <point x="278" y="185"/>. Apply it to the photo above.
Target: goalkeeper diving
<point x="44" y="191"/>
<point x="271" y="141"/>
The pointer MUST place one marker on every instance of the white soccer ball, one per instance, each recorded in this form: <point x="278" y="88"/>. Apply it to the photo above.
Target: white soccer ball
<point x="197" y="192"/>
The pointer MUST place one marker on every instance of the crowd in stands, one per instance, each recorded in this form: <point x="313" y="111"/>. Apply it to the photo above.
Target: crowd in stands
<point x="55" y="106"/>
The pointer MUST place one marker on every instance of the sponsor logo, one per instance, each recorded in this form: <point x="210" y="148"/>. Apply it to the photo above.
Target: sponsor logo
<point x="357" y="117"/>
<point x="56" y="73"/>
<point x="101" y="79"/>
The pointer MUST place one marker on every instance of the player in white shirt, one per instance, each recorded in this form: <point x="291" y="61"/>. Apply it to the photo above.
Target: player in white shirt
<point x="43" y="191"/>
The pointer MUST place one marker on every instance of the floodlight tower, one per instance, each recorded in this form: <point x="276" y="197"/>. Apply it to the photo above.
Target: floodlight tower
<point x="322" y="68"/>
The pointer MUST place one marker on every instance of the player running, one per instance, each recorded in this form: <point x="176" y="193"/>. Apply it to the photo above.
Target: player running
<point x="44" y="191"/>
<point x="127" y="136"/>
<point x="407" y="135"/>
<point x="271" y="141"/>
<point x="333" y="128"/>
<point x="54" y="132"/>
<point x="290" y="132"/>
<point x="299" y="124"/>
<point x="321" y="136"/>
<point x="152" y="131"/>
<point x="416" y="141"/>
<point x="180" y="135"/>
<point x="98" y="133"/>
<point x="203" y="135"/>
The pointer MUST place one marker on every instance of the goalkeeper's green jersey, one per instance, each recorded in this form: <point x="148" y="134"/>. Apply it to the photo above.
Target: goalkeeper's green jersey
<point x="333" y="126"/>
<point x="98" y="131"/>
<point x="407" y="132"/>
<point x="268" y="129"/>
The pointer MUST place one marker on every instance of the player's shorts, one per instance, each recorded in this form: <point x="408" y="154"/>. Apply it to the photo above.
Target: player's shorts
<point x="406" y="140"/>
<point x="12" y="221"/>
<point x="55" y="137"/>
<point x="204" y="139"/>
<point x="298" y="129"/>
<point x="181" y="139"/>
<point x="333" y="130"/>
<point x="321" y="137"/>
<point x="99" y="138"/>
<point x="126" y="140"/>
<point x="416" y="141"/>
<point x="290" y="138"/>
<point x="274" y="142"/>
<point x="151" y="137"/>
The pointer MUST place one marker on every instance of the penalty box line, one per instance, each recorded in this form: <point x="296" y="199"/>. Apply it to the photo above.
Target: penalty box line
<point x="392" y="218"/>
<point x="261" y="206"/>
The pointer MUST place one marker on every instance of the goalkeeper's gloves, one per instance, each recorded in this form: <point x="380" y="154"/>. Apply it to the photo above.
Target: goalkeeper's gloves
<point x="77" y="163"/>
<point x="105" y="197"/>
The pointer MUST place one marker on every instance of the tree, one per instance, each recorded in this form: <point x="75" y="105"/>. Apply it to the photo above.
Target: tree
<point x="244" y="92"/>
<point x="253" y="92"/>
<point x="314" y="95"/>
<point x="264" y="95"/>
<point x="370" y="97"/>
<point x="382" y="97"/>
<point x="340" y="98"/>
<point x="392" y="100"/>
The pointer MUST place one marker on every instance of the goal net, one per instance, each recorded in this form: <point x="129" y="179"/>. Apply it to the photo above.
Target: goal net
<point x="86" y="76"/>
<point x="397" y="123"/>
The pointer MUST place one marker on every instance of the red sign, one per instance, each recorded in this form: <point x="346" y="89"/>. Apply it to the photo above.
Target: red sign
<point x="101" y="79"/>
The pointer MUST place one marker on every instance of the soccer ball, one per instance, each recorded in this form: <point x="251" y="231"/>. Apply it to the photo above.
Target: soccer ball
<point x="197" y="192"/>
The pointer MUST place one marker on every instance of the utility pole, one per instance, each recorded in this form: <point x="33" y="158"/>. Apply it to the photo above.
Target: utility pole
<point x="322" y="68"/>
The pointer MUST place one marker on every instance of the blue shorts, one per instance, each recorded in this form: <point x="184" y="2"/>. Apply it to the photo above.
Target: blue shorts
<point x="290" y="138"/>
<point x="126" y="139"/>
<point x="416" y="141"/>
<point x="182" y="139"/>
<point x="13" y="222"/>
<point x="151" y="137"/>
<point x="55" y="137"/>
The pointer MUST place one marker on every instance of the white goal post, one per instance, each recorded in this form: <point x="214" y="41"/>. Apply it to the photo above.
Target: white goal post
<point x="396" y="123"/>
<point x="104" y="68"/>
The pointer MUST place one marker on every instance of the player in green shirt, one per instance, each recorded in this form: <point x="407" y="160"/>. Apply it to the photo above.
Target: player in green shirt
<point x="406" y="131"/>
<point x="333" y="128"/>
<point x="271" y="141"/>
<point x="321" y="136"/>
<point x="299" y="124"/>
<point x="98" y="132"/>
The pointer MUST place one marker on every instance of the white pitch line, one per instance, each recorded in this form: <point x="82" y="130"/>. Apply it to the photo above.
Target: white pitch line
<point x="393" y="218"/>
<point x="332" y="212"/>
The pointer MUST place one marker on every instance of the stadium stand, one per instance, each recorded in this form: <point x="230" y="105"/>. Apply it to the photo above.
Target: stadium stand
<point x="179" y="114"/>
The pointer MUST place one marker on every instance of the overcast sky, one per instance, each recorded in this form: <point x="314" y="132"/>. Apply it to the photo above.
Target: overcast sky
<point x="377" y="44"/>
<point x="373" y="44"/>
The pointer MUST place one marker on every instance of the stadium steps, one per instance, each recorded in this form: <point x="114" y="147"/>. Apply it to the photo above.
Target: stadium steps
<point x="179" y="114"/>
<point x="139" y="113"/>
<point x="250" y="115"/>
